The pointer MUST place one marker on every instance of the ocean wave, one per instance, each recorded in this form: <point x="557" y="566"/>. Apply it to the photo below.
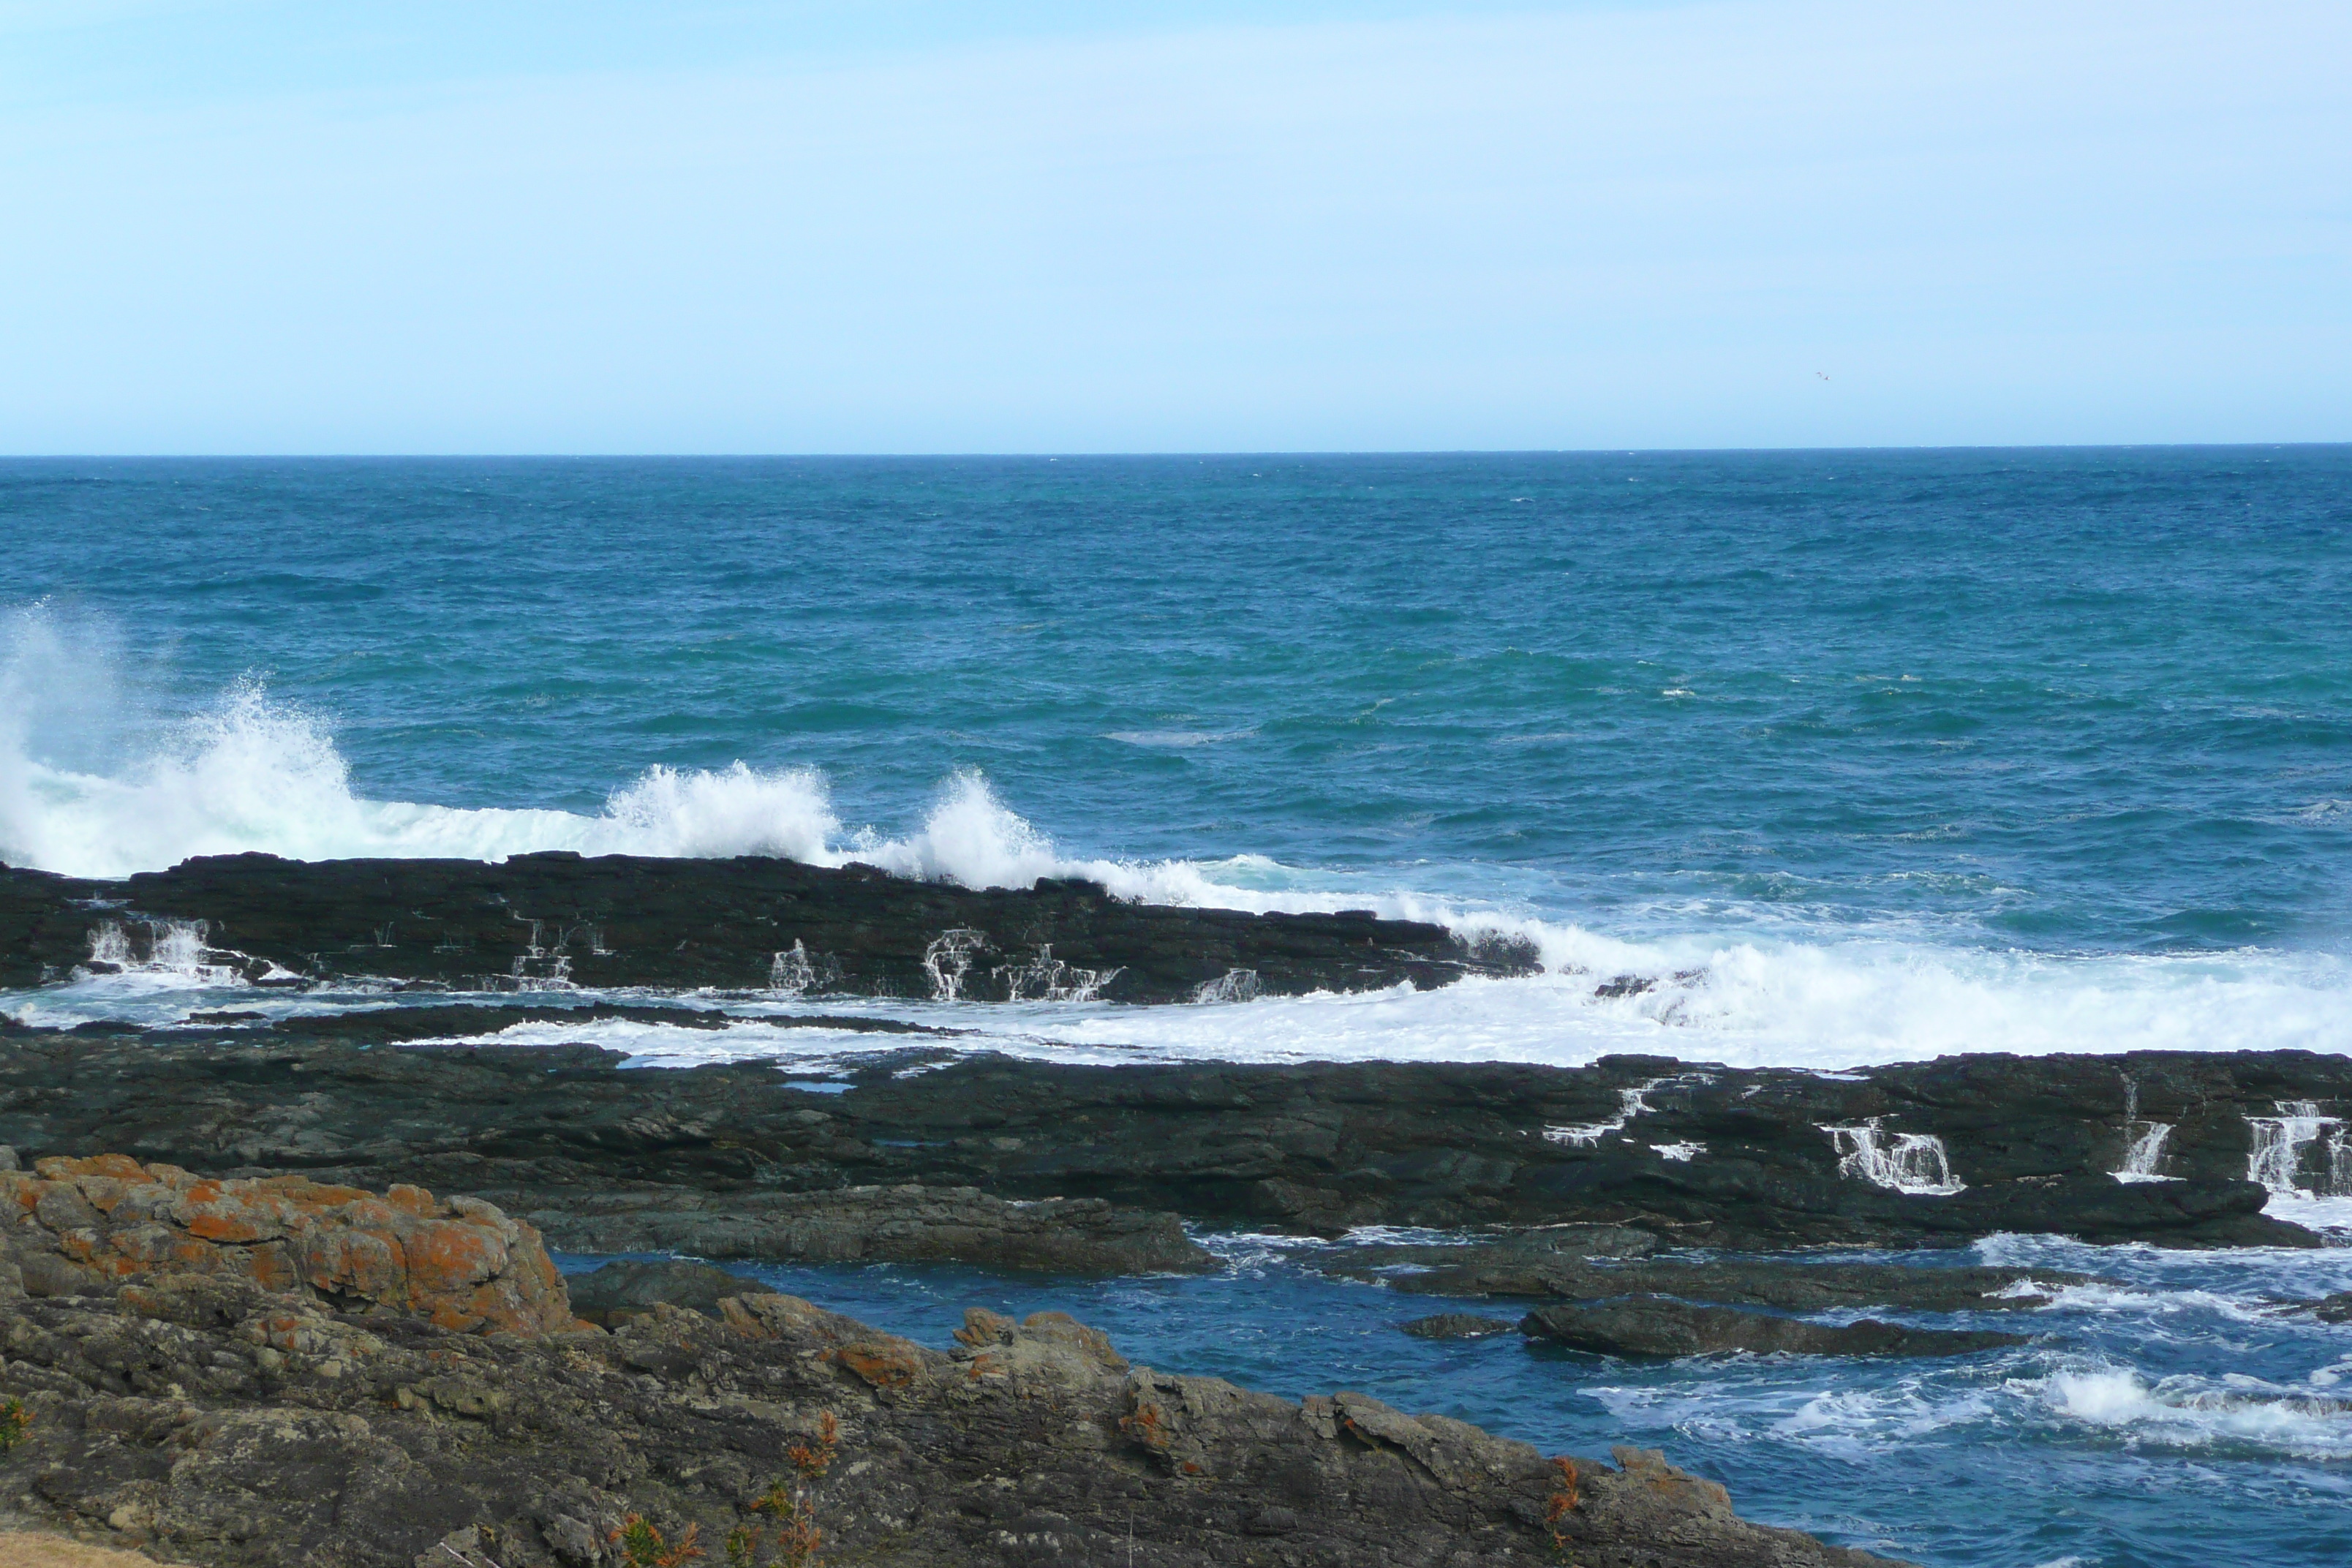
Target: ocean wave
<point x="252" y="773"/>
<point x="2198" y="1413"/>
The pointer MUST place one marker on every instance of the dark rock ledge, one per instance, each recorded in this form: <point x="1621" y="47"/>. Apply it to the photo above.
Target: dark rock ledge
<point x="870" y="1225"/>
<point x="189" y="1402"/>
<point x="1654" y="1326"/>
<point x="719" y="1159"/>
<point x="749" y="924"/>
<point x="1510" y="1269"/>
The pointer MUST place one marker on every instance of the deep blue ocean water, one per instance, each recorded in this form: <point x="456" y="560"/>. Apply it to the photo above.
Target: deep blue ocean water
<point x="1864" y="756"/>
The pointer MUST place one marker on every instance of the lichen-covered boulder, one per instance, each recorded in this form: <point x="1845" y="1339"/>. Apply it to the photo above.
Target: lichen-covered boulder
<point x="85" y="1227"/>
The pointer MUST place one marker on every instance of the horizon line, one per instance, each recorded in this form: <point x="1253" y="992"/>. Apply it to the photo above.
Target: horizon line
<point x="1203" y="454"/>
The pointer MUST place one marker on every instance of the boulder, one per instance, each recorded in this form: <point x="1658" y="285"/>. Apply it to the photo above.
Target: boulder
<point x="631" y="1288"/>
<point x="76" y="1226"/>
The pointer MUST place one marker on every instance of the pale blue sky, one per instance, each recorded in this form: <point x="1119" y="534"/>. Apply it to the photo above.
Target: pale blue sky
<point x="698" y="227"/>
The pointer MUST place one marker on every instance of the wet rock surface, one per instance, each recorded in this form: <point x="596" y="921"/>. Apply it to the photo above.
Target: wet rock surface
<point x="1654" y="1326"/>
<point x="751" y="923"/>
<point x="1651" y="1153"/>
<point x="1457" y="1326"/>
<point x="207" y="1418"/>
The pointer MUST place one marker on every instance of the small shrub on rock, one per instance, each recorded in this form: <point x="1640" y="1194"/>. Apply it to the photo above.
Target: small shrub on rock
<point x="644" y="1547"/>
<point x="796" y="1537"/>
<point x="1565" y="1498"/>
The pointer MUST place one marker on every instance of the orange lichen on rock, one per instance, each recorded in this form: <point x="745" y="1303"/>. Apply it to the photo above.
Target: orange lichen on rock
<point x="882" y="1361"/>
<point x="85" y="1225"/>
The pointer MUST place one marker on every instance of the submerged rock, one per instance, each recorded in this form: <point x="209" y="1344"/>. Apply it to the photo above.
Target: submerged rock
<point x="1654" y="1326"/>
<point x="1807" y="1286"/>
<point x="1457" y="1326"/>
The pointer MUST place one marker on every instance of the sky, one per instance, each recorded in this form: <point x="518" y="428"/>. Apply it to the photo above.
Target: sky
<point x="598" y="226"/>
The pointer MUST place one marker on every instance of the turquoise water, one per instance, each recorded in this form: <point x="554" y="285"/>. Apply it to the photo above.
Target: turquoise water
<point x="1905" y="751"/>
<point x="1862" y="757"/>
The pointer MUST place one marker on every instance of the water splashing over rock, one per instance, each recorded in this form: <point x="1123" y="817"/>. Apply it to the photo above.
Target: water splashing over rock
<point x="2299" y="1133"/>
<point x="1900" y="1161"/>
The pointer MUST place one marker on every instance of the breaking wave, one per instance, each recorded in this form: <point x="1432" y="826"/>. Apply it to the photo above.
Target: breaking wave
<point x="252" y="773"/>
<point x="2194" y="1411"/>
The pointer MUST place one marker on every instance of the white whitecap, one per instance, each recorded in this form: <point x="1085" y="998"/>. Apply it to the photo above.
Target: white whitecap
<point x="2194" y="1411"/>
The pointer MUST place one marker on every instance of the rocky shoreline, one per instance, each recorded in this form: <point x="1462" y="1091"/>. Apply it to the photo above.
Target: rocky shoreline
<point x="303" y="1356"/>
<point x="232" y="1373"/>
<point x="2176" y="1149"/>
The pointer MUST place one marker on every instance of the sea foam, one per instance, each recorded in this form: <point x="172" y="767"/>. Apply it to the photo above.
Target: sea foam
<point x="251" y="772"/>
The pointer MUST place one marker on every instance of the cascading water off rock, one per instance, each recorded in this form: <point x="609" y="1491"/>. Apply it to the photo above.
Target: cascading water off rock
<point x="1911" y="1163"/>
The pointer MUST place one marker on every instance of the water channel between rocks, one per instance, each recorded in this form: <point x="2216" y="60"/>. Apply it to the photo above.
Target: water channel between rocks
<point x="2176" y="1418"/>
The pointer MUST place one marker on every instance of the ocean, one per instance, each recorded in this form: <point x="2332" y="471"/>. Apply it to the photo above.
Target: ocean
<point x="1861" y="756"/>
<point x="1864" y="755"/>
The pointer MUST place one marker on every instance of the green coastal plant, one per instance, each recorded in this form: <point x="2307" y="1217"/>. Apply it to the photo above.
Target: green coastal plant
<point x="644" y="1547"/>
<point x="16" y="1421"/>
<point x="795" y="1538"/>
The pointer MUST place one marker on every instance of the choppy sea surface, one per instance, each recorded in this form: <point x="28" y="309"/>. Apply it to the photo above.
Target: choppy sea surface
<point x="1864" y="756"/>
